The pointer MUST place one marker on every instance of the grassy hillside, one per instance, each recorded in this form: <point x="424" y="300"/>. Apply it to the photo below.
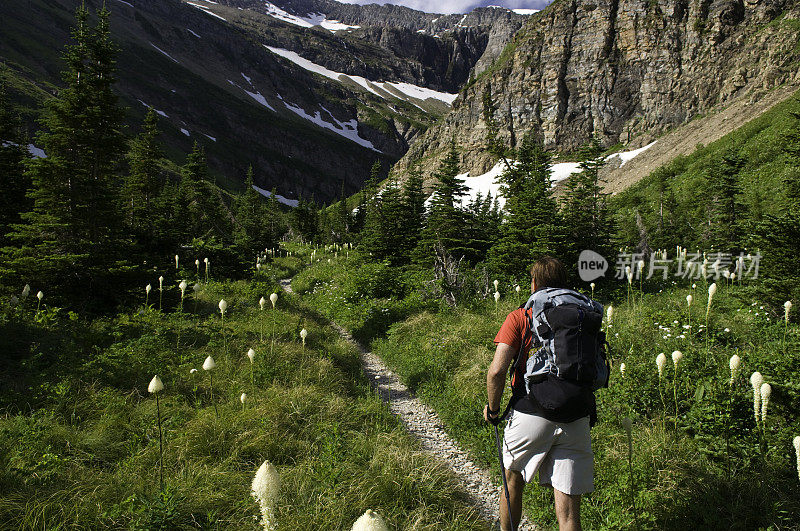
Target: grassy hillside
<point x="708" y="467"/>
<point x="79" y="440"/>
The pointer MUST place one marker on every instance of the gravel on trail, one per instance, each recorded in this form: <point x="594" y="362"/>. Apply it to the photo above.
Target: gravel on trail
<point x="425" y="425"/>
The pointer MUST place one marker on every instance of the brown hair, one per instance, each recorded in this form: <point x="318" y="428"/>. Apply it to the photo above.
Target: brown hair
<point x="549" y="272"/>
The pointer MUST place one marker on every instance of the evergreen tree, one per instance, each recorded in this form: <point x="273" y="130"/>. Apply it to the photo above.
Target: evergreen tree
<point x="367" y="194"/>
<point x="532" y="224"/>
<point x="69" y="237"/>
<point x="305" y="220"/>
<point x="252" y="232"/>
<point x="14" y="182"/>
<point x="726" y="210"/>
<point x="584" y="208"/>
<point x="143" y="183"/>
<point x="446" y="223"/>
<point x="413" y="211"/>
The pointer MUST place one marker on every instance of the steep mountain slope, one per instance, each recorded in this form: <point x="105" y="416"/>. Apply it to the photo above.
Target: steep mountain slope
<point x="206" y="68"/>
<point x="624" y="70"/>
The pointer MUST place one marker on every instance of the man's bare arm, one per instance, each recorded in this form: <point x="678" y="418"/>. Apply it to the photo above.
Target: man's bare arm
<point x="496" y="377"/>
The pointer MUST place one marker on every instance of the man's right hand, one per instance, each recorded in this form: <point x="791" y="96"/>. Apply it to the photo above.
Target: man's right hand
<point x="493" y="417"/>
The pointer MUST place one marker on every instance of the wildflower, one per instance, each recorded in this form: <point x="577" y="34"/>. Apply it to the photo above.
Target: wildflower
<point x="661" y="362"/>
<point x="155" y="385"/>
<point x="193" y="371"/>
<point x="496" y="296"/>
<point x="262" y="302"/>
<point x="160" y="283"/>
<point x="733" y="277"/>
<point x="590" y="285"/>
<point x="756" y="380"/>
<point x="182" y="286"/>
<point x="209" y="364"/>
<point x="251" y="354"/>
<point x="273" y="299"/>
<point x="27" y="291"/>
<point x="222" y="307"/>
<point x="517" y="289"/>
<point x="622" y="370"/>
<point x="370" y="521"/>
<point x="609" y="313"/>
<point x="629" y="274"/>
<point x="735" y="364"/>
<point x="496" y="283"/>
<point x="786" y="307"/>
<point x="796" y="443"/>
<point x="243" y="398"/>
<point x="265" y="489"/>
<point x="689" y="300"/>
<point x="677" y="356"/>
<point x="766" y="391"/>
<point x="147" y="289"/>
<point x="712" y="290"/>
<point x="303" y="335"/>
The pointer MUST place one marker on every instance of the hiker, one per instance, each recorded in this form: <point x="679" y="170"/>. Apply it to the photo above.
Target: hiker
<point x="548" y="416"/>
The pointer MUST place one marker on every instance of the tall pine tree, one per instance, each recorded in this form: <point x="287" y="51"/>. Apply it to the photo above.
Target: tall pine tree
<point x="532" y="224"/>
<point x="14" y="182"/>
<point x="69" y="237"/>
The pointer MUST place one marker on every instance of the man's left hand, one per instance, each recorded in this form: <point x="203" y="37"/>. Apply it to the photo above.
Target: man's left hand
<point x="494" y="420"/>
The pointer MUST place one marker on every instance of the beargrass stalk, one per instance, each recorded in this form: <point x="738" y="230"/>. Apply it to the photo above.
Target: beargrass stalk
<point x="209" y="366"/>
<point x="160" y="291"/>
<point x="154" y="388"/>
<point x="735" y="363"/>
<point x="676" y="358"/>
<point x="627" y="423"/>
<point x="261" y="304"/>
<point x="273" y="299"/>
<point x="251" y="355"/>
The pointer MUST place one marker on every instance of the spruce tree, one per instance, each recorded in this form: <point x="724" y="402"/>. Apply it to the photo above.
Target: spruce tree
<point x="532" y="225"/>
<point x="413" y="211"/>
<point x="143" y="183"/>
<point x="585" y="210"/>
<point x="446" y="223"/>
<point x="70" y="235"/>
<point x="726" y="209"/>
<point x="252" y="232"/>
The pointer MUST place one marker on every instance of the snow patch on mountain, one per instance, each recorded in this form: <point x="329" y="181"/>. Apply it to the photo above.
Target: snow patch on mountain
<point x="193" y="33"/>
<point x="165" y="53"/>
<point x="279" y="198"/>
<point x="207" y="11"/>
<point x="487" y="183"/>
<point x="309" y="21"/>
<point x="185" y="132"/>
<point x="348" y="129"/>
<point x="378" y="88"/>
<point x="259" y="98"/>
<point x="160" y="113"/>
<point x="525" y="11"/>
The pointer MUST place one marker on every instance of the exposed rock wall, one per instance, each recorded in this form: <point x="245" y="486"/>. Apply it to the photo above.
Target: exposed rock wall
<point x="620" y="69"/>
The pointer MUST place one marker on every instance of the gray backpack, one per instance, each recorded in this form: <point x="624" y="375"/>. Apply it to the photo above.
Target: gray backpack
<point x="567" y="328"/>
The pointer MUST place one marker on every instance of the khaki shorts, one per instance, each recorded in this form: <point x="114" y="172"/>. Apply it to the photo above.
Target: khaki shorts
<point x="560" y="452"/>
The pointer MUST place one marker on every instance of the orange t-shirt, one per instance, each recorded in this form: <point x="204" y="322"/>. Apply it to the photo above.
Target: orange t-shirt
<point x="514" y="328"/>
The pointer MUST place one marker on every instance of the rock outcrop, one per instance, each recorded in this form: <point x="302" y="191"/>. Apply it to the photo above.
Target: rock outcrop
<point x="622" y="70"/>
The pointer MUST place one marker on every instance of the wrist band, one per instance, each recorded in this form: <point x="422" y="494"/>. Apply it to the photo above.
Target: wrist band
<point x="490" y="411"/>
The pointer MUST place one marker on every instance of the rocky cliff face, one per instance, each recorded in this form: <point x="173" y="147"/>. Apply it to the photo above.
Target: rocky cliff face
<point x="620" y="69"/>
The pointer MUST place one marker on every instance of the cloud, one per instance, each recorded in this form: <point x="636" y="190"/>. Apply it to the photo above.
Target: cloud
<point x="454" y="6"/>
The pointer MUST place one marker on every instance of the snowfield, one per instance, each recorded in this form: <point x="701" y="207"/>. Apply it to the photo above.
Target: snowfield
<point x="402" y="91"/>
<point x="266" y="193"/>
<point x="309" y="21"/>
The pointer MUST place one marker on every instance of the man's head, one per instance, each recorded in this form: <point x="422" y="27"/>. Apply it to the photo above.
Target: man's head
<point x="548" y="272"/>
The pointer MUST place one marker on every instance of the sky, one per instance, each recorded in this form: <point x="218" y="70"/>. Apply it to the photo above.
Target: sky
<point x="455" y="6"/>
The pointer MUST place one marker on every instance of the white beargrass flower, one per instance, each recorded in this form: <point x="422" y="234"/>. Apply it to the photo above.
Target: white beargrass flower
<point x="661" y="362"/>
<point x="622" y="370"/>
<point x="796" y="443"/>
<point x="205" y="260"/>
<point x="370" y="521"/>
<point x="766" y="391"/>
<point x="756" y="380"/>
<point x="496" y="296"/>
<point x="182" y="286"/>
<point x="40" y="296"/>
<point x="196" y="288"/>
<point x="786" y="307"/>
<point x="712" y="289"/>
<point x="735" y="363"/>
<point x="640" y="265"/>
<point x="733" y="277"/>
<point x="609" y="313"/>
<point x="689" y="300"/>
<point x="223" y="306"/>
<point x="303" y="334"/>
<point x="677" y="356"/>
<point x="176" y="262"/>
<point x="496" y="283"/>
<point x="209" y="364"/>
<point x="591" y="285"/>
<point x="193" y="371"/>
<point x="262" y="302"/>
<point x="265" y="489"/>
<point x="155" y="385"/>
<point x="629" y="274"/>
<point x="160" y="283"/>
<point x="251" y="354"/>
<point x="27" y="291"/>
<point x="243" y="398"/>
<point x="517" y="289"/>
<point x="273" y="299"/>
<point x="147" y="289"/>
